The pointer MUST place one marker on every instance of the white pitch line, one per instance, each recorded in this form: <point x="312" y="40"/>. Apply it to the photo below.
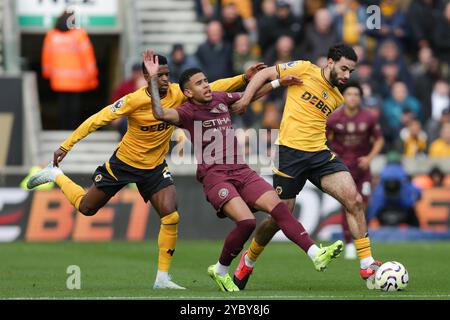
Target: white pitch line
<point x="387" y="295"/>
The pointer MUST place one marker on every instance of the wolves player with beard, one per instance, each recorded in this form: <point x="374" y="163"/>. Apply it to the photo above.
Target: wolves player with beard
<point x="303" y="153"/>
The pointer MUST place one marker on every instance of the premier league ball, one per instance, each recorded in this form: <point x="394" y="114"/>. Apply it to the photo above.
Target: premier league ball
<point x="391" y="276"/>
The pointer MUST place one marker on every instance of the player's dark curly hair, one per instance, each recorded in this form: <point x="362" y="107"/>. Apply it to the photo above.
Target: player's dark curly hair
<point x="161" y="60"/>
<point x="352" y="84"/>
<point x="340" y="50"/>
<point x="186" y="76"/>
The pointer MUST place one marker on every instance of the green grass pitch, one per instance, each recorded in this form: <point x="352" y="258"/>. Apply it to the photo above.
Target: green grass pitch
<point x="126" y="270"/>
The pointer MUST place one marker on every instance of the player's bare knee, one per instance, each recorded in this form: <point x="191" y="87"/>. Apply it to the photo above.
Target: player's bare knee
<point x="355" y="203"/>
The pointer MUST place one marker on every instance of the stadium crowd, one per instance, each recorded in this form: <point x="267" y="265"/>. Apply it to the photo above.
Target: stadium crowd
<point x="403" y="65"/>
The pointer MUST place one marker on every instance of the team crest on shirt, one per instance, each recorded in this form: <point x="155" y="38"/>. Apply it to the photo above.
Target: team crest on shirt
<point x="98" y="178"/>
<point x="279" y="190"/>
<point x="117" y="105"/>
<point x="222" y="107"/>
<point x="351" y="127"/>
<point x="223" y="193"/>
<point x="219" y="109"/>
<point x="325" y="94"/>
<point x="362" y="126"/>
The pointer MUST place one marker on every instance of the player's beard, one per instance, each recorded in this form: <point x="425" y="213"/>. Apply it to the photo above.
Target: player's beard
<point x="334" y="79"/>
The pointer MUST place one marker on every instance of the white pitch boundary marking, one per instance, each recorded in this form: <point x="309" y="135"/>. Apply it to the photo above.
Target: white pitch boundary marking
<point x="387" y="295"/>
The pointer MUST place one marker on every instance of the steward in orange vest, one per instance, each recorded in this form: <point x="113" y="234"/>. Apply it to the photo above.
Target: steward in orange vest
<point x="68" y="59"/>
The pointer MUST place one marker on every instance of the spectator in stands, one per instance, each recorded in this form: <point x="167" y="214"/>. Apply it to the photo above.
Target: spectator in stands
<point x="349" y="18"/>
<point x="243" y="58"/>
<point x="434" y="126"/>
<point x="442" y="35"/>
<point x="180" y="61"/>
<point x="297" y="7"/>
<point x="434" y="179"/>
<point x="399" y="102"/>
<point x="283" y="23"/>
<point x="283" y="51"/>
<point x="215" y="54"/>
<point x="311" y="8"/>
<point x="319" y="36"/>
<point x="232" y="22"/>
<point x="421" y="18"/>
<point x="437" y="176"/>
<point x="68" y="61"/>
<point x="286" y="22"/>
<point x="243" y="55"/>
<point x="129" y="85"/>
<point x="205" y="9"/>
<point x="439" y="110"/>
<point x="424" y="74"/>
<point x="394" y="198"/>
<point x="385" y="79"/>
<point x="441" y="146"/>
<point x="365" y="74"/>
<point x="440" y="98"/>
<point x="244" y="9"/>
<point x="372" y="101"/>
<point x="413" y="140"/>
<point x="266" y="22"/>
<point x="388" y="54"/>
<point x="393" y="24"/>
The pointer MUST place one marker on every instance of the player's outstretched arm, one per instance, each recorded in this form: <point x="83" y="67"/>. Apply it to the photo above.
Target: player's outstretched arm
<point x="109" y="113"/>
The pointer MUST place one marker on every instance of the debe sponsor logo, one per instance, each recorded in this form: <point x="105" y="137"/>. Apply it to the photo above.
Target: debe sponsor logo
<point x="157" y="127"/>
<point x="317" y="102"/>
<point x="53" y="218"/>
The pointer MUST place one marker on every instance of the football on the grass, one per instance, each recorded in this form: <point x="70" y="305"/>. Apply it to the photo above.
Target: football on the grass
<point x="391" y="276"/>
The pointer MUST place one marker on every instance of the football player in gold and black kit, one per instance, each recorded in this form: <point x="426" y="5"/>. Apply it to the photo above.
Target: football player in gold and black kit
<point x="303" y="153"/>
<point x="139" y="158"/>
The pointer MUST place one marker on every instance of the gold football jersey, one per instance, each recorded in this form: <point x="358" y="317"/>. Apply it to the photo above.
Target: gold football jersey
<point x="307" y="107"/>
